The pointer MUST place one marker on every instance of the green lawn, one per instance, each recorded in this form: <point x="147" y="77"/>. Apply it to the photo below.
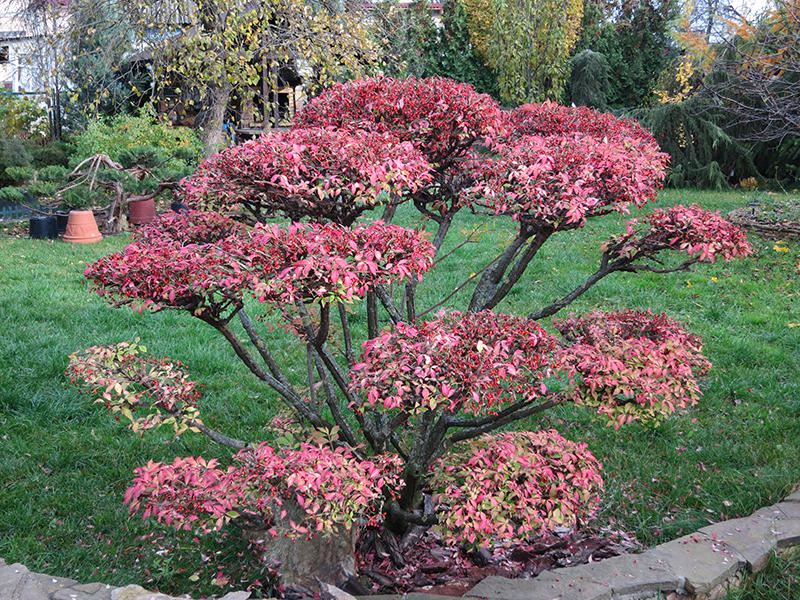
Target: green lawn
<point x="65" y="463"/>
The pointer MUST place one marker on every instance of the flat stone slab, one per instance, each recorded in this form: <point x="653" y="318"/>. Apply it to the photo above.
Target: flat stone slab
<point x="237" y="596"/>
<point x="793" y="497"/>
<point x="790" y="510"/>
<point x="12" y="577"/>
<point x="136" y="592"/>
<point x="702" y="561"/>
<point x="787" y="532"/>
<point x="547" y="586"/>
<point x="752" y="537"/>
<point x="630" y="574"/>
<point x="86" y="591"/>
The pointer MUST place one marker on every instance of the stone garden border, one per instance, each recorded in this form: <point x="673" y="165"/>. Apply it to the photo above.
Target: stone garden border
<point x="703" y="565"/>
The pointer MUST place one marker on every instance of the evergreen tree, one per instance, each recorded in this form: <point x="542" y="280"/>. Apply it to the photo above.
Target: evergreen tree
<point x="457" y="56"/>
<point x="634" y="38"/>
<point x="588" y="83"/>
<point x="411" y="40"/>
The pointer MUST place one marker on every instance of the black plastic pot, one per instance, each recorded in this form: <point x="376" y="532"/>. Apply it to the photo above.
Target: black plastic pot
<point x="61" y="223"/>
<point x="43" y="228"/>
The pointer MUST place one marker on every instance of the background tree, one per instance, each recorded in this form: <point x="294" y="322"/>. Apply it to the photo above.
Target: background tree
<point x="757" y="75"/>
<point x="206" y="50"/>
<point x="634" y="39"/>
<point x="527" y="44"/>
<point x="458" y="56"/>
<point x="416" y="46"/>
<point x="411" y="40"/>
<point x="103" y="78"/>
<point x="588" y="80"/>
<point x="727" y="101"/>
<point x="225" y="46"/>
<point x="46" y="23"/>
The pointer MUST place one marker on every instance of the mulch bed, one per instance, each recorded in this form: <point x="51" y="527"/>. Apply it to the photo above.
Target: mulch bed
<point x="430" y="566"/>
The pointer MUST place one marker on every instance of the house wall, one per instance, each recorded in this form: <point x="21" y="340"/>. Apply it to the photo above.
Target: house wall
<point x="17" y="72"/>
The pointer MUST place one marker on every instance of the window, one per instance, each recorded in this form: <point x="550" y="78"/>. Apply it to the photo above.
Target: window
<point x="3" y="55"/>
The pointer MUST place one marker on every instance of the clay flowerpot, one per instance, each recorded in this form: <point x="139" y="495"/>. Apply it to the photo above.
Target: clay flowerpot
<point x="82" y="228"/>
<point x="141" y="212"/>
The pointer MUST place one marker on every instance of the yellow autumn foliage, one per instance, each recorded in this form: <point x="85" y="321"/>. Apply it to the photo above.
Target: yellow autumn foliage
<point x="527" y="43"/>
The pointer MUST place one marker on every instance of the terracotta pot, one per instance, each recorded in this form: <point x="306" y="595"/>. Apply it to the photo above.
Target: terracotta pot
<point x="82" y="228"/>
<point x="141" y="212"/>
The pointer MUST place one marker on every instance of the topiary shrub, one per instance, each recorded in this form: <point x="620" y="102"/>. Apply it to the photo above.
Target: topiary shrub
<point x="53" y="173"/>
<point x="11" y="195"/>
<point x="20" y="174"/>
<point x="403" y="428"/>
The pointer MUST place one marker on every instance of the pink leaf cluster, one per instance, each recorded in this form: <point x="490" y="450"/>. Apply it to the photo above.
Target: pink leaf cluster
<point x="316" y="262"/>
<point x="126" y="382"/>
<point x="691" y="229"/>
<point x="558" y="181"/>
<point x="441" y="117"/>
<point x="556" y="166"/>
<point x="318" y="173"/>
<point x="632" y="365"/>
<point x="550" y="118"/>
<point x="303" y="491"/>
<point x="331" y="263"/>
<point x="188" y="227"/>
<point x="474" y="362"/>
<point x="513" y="485"/>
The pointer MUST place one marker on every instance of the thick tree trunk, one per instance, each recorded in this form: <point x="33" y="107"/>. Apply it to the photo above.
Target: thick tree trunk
<point x="212" y="132"/>
<point x="305" y="561"/>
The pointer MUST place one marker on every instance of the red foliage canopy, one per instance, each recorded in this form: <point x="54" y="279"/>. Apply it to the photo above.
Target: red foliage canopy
<point x="632" y="365"/>
<point x="300" y="490"/>
<point x="322" y="174"/>
<point x="441" y="117"/>
<point x="474" y="362"/>
<point x="126" y="380"/>
<point x="553" y="119"/>
<point x="694" y="230"/>
<point x="313" y="263"/>
<point x="512" y="485"/>
<point x="555" y="166"/>
<point x="559" y="181"/>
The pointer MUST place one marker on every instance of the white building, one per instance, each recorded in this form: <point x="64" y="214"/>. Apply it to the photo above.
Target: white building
<point x="16" y="43"/>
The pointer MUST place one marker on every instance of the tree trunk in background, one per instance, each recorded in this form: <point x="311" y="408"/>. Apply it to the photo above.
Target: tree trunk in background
<point x="212" y="132"/>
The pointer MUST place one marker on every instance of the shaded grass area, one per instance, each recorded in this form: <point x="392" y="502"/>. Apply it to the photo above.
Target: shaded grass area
<point x="779" y="581"/>
<point x="64" y="463"/>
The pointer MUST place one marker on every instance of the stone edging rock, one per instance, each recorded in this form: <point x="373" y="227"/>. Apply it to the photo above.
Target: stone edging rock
<point x="701" y="566"/>
<point x="704" y="565"/>
<point x="18" y="583"/>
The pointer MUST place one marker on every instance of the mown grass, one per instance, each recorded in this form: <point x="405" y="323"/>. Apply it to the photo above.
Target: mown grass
<point x="64" y="463"/>
<point x="779" y="581"/>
